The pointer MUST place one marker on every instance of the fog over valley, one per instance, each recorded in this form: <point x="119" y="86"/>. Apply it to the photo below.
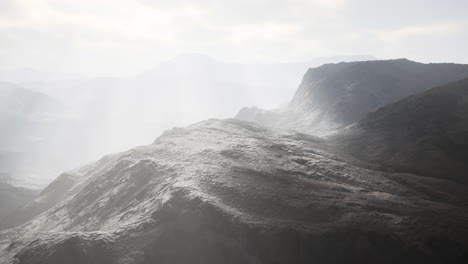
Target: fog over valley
<point x="88" y="118"/>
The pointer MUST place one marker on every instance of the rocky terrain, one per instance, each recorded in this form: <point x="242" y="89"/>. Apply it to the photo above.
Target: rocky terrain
<point x="426" y="133"/>
<point x="53" y="194"/>
<point x="229" y="191"/>
<point x="386" y="184"/>
<point x="333" y="96"/>
<point x="58" y="112"/>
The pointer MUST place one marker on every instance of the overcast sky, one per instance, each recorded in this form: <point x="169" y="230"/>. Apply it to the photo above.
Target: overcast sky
<point x="115" y="37"/>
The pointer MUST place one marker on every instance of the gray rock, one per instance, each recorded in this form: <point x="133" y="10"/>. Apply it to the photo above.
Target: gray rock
<point x="426" y="133"/>
<point x="333" y="96"/>
<point x="228" y="191"/>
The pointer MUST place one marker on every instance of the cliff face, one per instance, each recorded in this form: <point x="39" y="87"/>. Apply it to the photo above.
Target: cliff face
<point x="333" y="96"/>
<point x="228" y="191"/>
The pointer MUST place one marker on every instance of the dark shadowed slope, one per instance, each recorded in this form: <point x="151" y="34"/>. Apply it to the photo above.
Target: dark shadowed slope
<point x="234" y="192"/>
<point x="335" y="95"/>
<point x="425" y="133"/>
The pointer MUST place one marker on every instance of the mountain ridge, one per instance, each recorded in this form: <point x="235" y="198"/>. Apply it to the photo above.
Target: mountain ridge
<point x="424" y="133"/>
<point x="234" y="192"/>
<point x="333" y="96"/>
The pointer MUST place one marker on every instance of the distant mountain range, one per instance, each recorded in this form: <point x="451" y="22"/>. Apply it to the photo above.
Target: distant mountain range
<point x="17" y="101"/>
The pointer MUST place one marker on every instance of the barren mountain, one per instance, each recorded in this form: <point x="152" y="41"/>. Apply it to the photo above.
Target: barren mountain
<point x="228" y="191"/>
<point x="333" y="96"/>
<point x="53" y="194"/>
<point x="107" y="115"/>
<point x="426" y="133"/>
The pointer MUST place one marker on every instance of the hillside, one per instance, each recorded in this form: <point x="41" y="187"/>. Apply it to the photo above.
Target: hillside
<point x="426" y="133"/>
<point x="112" y="114"/>
<point x="227" y="191"/>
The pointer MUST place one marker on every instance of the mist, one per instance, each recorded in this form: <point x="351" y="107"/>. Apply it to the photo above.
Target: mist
<point x="111" y="75"/>
<point x="241" y="132"/>
<point x="70" y="121"/>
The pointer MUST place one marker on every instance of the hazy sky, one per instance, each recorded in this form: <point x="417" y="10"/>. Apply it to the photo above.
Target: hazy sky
<point x="127" y="36"/>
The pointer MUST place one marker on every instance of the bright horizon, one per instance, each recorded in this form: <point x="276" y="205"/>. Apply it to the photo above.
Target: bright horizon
<point x="123" y="37"/>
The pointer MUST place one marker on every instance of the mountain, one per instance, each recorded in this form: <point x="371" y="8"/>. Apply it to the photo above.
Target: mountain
<point x="107" y="115"/>
<point x="190" y="80"/>
<point x="22" y="111"/>
<point x="18" y="101"/>
<point x="228" y="191"/>
<point x="12" y="197"/>
<point x="253" y="80"/>
<point x="50" y="196"/>
<point x="30" y="122"/>
<point x="333" y="96"/>
<point x="426" y="133"/>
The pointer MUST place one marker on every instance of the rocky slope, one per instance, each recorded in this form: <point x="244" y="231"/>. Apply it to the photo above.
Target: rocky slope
<point x="228" y="191"/>
<point x="336" y="95"/>
<point x="426" y="133"/>
<point x="53" y="194"/>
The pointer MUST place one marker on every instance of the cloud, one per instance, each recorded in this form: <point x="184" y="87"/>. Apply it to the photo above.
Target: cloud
<point x="102" y="35"/>
<point x="420" y="31"/>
